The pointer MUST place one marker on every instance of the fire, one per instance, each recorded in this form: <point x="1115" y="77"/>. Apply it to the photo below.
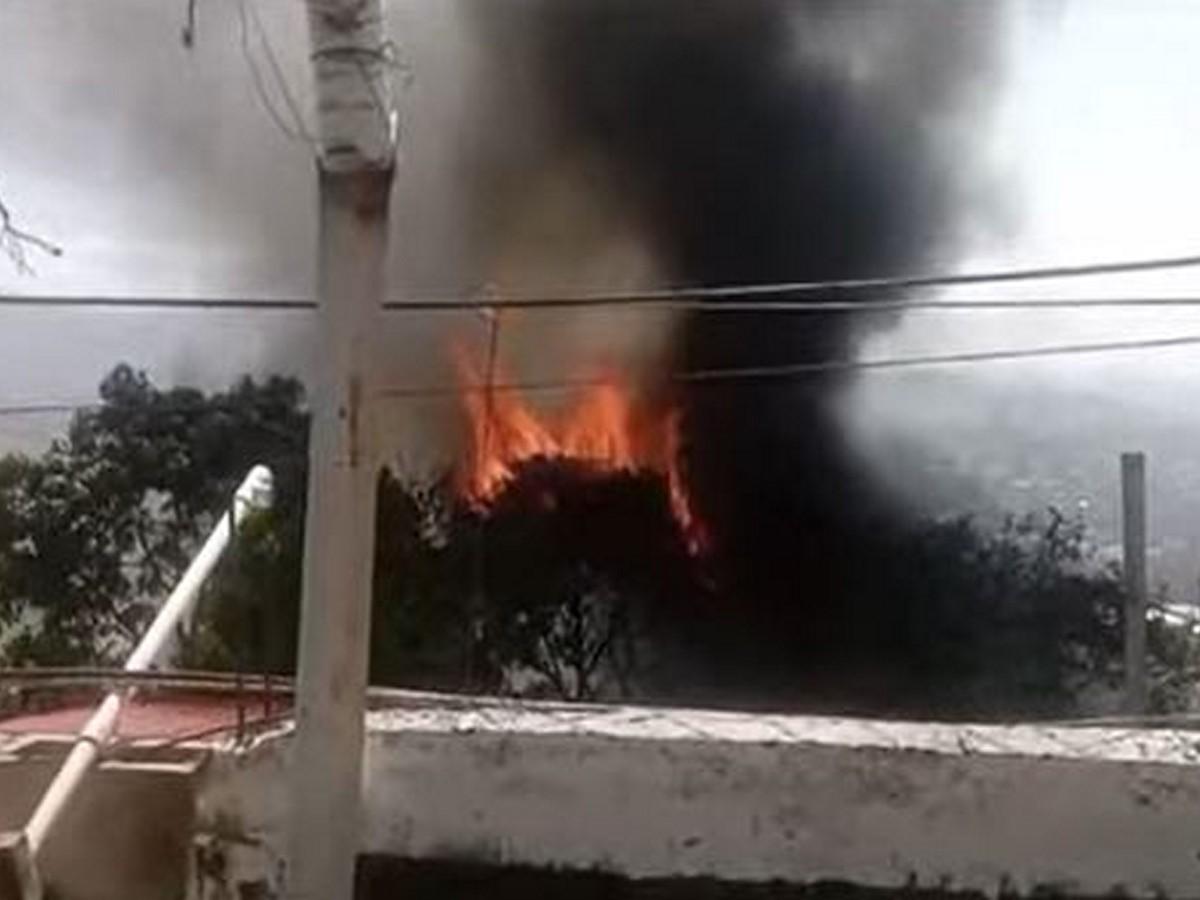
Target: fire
<point x="604" y="426"/>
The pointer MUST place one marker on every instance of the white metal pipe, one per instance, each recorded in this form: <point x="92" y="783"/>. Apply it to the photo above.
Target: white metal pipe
<point x="253" y="493"/>
<point x="79" y="761"/>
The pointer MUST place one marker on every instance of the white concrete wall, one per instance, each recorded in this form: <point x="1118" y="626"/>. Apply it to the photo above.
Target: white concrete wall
<point x="674" y="793"/>
<point x="127" y="835"/>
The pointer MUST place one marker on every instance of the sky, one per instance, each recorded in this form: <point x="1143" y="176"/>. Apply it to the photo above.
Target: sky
<point x="161" y="172"/>
<point x="1093" y="140"/>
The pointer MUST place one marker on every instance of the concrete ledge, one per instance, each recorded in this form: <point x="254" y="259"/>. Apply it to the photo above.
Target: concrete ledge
<point x="671" y="794"/>
<point x="483" y="716"/>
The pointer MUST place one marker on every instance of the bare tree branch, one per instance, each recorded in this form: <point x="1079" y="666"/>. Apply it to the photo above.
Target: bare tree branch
<point x="16" y="242"/>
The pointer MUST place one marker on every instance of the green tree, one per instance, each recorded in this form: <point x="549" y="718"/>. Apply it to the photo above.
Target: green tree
<point x="578" y="568"/>
<point x="1020" y="621"/>
<point x="421" y="628"/>
<point x="101" y="526"/>
<point x="573" y="582"/>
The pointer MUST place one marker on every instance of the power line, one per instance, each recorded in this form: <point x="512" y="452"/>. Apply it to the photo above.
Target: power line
<point x="157" y="303"/>
<point x="884" y="306"/>
<point x="277" y="71"/>
<point x="295" y="130"/>
<point x="796" y="289"/>
<point x="47" y="408"/>
<point x="219" y="304"/>
<point x="815" y="307"/>
<point x="797" y="370"/>
<point x="787" y="371"/>
<point x="822" y="296"/>
<point x="197" y="405"/>
<point x="695" y="376"/>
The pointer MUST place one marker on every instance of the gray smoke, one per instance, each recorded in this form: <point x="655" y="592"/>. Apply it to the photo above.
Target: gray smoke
<point x="764" y="141"/>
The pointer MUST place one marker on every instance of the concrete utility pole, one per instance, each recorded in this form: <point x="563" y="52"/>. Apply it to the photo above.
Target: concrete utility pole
<point x="1133" y="529"/>
<point x="356" y="158"/>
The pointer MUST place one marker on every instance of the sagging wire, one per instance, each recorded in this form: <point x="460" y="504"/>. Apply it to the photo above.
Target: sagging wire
<point x="296" y="130"/>
<point x="795" y="296"/>
<point x="698" y="377"/>
<point x="827" y="295"/>
<point x="791" y="372"/>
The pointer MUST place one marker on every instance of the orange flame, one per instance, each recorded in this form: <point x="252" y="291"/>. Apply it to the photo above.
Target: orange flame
<point x="604" y="427"/>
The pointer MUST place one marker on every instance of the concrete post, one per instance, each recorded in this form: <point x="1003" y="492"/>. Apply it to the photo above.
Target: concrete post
<point x="357" y="126"/>
<point x="339" y="545"/>
<point x="1133" y="519"/>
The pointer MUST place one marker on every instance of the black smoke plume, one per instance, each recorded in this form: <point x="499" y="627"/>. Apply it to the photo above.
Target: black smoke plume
<point x="776" y="141"/>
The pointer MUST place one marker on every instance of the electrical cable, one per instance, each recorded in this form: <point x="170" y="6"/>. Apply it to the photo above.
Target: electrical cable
<point x="780" y="295"/>
<point x="797" y="370"/>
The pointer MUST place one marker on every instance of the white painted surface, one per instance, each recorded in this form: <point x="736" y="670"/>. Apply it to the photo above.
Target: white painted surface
<point x="356" y="119"/>
<point x="676" y="793"/>
<point x="339" y="540"/>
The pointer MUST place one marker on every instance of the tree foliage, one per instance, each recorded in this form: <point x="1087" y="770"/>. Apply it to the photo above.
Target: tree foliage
<point x="574" y="566"/>
<point x="571" y="583"/>
<point x="101" y="526"/>
<point x="1021" y="618"/>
